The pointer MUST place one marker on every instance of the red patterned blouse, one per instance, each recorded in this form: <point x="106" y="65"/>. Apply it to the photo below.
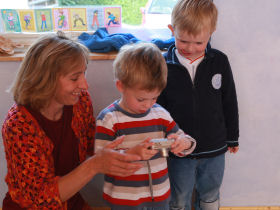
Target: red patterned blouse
<point x="31" y="178"/>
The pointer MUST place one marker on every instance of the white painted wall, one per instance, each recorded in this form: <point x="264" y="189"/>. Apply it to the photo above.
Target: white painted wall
<point x="249" y="33"/>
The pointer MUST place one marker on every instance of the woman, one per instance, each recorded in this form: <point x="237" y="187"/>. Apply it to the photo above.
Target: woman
<point x="50" y="129"/>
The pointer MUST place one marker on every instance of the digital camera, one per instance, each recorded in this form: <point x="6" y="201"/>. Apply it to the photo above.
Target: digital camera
<point x="163" y="145"/>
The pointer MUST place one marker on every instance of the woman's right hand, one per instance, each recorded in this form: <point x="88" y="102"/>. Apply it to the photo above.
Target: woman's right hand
<point x="110" y="161"/>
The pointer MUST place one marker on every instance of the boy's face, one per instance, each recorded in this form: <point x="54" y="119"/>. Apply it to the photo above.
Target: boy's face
<point x="188" y="45"/>
<point x="135" y="100"/>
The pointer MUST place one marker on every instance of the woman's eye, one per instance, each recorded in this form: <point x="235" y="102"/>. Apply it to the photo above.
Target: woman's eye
<point x="74" y="79"/>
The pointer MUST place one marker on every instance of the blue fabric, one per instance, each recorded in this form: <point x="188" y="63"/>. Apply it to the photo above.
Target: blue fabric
<point x="101" y="41"/>
<point x="205" y="174"/>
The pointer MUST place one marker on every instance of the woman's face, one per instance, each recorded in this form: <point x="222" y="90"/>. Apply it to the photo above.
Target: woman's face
<point x="71" y="85"/>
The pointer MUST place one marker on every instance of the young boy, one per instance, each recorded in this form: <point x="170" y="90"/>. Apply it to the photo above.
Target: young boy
<point x="141" y="74"/>
<point x="200" y="96"/>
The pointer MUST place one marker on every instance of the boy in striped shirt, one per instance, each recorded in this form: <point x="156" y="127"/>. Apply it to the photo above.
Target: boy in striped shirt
<point x="140" y="75"/>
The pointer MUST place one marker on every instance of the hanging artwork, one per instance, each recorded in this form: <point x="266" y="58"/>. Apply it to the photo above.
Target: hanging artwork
<point x="27" y="20"/>
<point x="61" y="19"/>
<point x="95" y="18"/>
<point x="11" y="21"/>
<point x="44" y="20"/>
<point x="78" y="19"/>
<point x="112" y="16"/>
<point x="66" y="19"/>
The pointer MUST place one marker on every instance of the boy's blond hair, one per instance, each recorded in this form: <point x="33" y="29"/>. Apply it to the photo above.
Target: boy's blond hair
<point x="48" y="58"/>
<point x="141" y="66"/>
<point x="194" y="16"/>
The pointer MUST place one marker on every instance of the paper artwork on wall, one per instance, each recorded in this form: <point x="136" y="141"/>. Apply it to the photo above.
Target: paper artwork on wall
<point x="10" y="21"/>
<point x="112" y="16"/>
<point x="27" y="20"/>
<point x="78" y="19"/>
<point x="66" y="19"/>
<point x="95" y="18"/>
<point x="61" y="19"/>
<point x="44" y="21"/>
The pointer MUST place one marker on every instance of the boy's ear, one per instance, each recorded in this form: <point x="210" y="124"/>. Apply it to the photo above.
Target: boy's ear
<point x="119" y="86"/>
<point x="171" y="29"/>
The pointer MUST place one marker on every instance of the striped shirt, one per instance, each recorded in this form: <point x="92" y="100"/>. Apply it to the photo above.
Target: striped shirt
<point x="134" y="192"/>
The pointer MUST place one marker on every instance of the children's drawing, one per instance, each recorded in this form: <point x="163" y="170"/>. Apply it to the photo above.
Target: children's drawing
<point x="78" y="19"/>
<point x="95" y="18"/>
<point x="61" y="19"/>
<point x="112" y="16"/>
<point x="27" y="20"/>
<point x="11" y="20"/>
<point x="43" y="20"/>
<point x="74" y="19"/>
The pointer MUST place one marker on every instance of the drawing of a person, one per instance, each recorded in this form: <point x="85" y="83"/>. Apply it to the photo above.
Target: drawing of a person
<point x="44" y="21"/>
<point x="27" y="19"/>
<point x="112" y="18"/>
<point x="95" y="19"/>
<point x="61" y="19"/>
<point x="77" y="18"/>
<point x="10" y="18"/>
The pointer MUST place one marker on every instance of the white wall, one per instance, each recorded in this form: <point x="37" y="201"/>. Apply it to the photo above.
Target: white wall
<point x="249" y="33"/>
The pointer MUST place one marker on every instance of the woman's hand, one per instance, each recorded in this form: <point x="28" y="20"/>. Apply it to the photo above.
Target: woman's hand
<point x="110" y="161"/>
<point x="107" y="161"/>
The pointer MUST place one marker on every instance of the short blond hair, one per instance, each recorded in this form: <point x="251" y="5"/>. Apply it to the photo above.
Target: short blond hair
<point x="194" y="16"/>
<point x="48" y="58"/>
<point x="141" y="66"/>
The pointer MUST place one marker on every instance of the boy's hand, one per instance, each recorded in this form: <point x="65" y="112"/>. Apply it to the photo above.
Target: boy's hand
<point x="233" y="149"/>
<point x="143" y="150"/>
<point x="179" y="144"/>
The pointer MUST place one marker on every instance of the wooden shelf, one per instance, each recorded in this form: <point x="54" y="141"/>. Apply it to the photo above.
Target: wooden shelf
<point x="18" y="56"/>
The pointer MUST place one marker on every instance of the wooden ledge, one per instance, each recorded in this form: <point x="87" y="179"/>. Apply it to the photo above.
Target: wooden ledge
<point x="28" y="38"/>
<point x="18" y="56"/>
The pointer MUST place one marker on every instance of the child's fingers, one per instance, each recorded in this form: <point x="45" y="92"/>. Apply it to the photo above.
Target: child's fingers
<point x="172" y="136"/>
<point x="147" y="144"/>
<point x="175" y="144"/>
<point x="147" y="140"/>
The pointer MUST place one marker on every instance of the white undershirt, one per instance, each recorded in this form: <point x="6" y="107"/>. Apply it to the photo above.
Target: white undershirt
<point x="191" y="65"/>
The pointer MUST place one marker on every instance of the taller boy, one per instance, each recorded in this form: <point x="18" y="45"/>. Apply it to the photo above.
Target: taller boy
<point x="200" y="96"/>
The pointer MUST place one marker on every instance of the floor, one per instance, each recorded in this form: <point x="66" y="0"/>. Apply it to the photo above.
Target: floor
<point x="222" y="208"/>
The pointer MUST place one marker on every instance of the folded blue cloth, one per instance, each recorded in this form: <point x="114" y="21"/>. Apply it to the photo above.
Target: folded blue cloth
<point x="101" y="41"/>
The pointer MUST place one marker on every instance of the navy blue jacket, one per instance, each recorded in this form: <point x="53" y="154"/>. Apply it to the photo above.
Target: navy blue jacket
<point x="207" y="108"/>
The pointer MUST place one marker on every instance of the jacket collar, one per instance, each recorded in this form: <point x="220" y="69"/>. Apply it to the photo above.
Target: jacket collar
<point x="171" y="58"/>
